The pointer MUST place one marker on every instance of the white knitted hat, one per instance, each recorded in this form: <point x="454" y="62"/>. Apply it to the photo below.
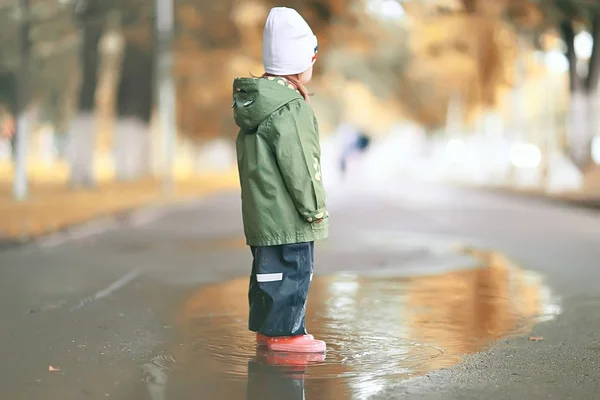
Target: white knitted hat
<point x="289" y="45"/>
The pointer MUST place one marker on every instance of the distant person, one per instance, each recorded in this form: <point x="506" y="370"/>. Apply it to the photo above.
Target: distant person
<point x="8" y="132"/>
<point x="353" y="141"/>
<point x="7" y="127"/>
<point x="283" y="198"/>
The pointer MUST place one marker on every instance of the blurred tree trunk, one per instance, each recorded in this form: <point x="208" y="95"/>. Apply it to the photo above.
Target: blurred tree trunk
<point x="83" y="130"/>
<point x="134" y="94"/>
<point x="583" y="121"/>
<point x="9" y="59"/>
<point x="135" y="91"/>
<point x="135" y="101"/>
<point x="8" y="98"/>
<point x="24" y="89"/>
<point x="111" y="54"/>
<point x="519" y="119"/>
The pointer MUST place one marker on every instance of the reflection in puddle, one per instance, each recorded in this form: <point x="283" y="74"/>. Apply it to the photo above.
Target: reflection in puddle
<point x="378" y="330"/>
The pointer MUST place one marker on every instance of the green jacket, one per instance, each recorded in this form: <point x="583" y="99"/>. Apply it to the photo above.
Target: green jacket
<point x="279" y="163"/>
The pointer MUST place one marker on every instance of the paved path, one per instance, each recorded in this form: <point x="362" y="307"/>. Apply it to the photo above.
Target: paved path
<point x="107" y="310"/>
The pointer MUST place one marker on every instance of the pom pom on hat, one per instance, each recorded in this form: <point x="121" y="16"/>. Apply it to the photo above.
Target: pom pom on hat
<point x="289" y="45"/>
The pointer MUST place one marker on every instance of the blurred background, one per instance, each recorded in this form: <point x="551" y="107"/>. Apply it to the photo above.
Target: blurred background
<point x="110" y="104"/>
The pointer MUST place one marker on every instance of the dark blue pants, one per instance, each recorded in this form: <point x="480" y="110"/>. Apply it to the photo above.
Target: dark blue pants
<point x="279" y="286"/>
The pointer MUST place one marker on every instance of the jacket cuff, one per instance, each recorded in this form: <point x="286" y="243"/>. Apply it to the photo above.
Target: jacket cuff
<point x="317" y="215"/>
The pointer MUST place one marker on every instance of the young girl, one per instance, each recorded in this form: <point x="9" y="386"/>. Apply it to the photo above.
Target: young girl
<point x="283" y="199"/>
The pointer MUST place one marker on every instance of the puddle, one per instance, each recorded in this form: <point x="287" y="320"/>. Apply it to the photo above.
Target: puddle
<point x="379" y="330"/>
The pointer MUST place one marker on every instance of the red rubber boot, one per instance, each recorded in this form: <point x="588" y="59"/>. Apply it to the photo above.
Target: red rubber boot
<point x="262" y="340"/>
<point x="296" y="344"/>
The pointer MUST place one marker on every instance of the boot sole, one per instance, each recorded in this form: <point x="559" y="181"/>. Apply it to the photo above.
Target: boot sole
<point x="314" y="346"/>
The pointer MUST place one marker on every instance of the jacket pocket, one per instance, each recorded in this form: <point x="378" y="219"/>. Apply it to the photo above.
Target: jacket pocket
<point x="318" y="227"/>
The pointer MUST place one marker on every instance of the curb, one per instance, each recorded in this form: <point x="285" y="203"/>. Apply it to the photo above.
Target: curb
<point x="591" y="203"/>
<point x="113" y="221"/>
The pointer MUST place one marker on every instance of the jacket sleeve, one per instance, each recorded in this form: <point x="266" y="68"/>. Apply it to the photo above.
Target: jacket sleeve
<point x="298" y="153"/>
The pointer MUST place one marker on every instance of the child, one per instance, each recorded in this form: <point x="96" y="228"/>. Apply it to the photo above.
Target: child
<point x="283" y="199"/>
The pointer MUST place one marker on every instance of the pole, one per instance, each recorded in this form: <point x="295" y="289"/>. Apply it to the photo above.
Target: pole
<point x="166" y="88"/>
<point x="20" y="182"/>
<point x="518" y="101"/>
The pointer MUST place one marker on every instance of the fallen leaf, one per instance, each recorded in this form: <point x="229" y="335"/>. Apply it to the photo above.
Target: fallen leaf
<point x="53" y="369"/>
<point x="536" y="338"/>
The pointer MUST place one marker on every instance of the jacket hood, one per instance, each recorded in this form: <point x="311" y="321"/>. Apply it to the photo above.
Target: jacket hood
<point x="254" y="99"/>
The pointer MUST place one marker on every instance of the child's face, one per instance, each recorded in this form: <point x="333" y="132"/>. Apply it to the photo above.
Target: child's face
<point x="306" y="76"/>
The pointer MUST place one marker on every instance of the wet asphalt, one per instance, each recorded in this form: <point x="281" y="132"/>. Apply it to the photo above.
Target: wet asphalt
<point x="157" y="310"/>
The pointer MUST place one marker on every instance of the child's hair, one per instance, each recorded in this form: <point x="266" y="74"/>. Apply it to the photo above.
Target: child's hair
<point x="295" y="82"/>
